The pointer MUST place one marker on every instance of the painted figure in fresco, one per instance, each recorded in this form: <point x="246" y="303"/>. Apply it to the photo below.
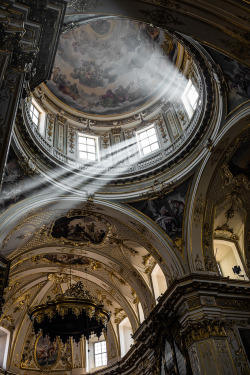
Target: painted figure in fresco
<point x="164" y="219"/>
<point x="55" y="73"/>
<point x="66" y="87"/>
<point x="79" y="228"/>
<point x="109" y="99"/>
<point x="241" y="82"/>
<point x="46" y="352"/>
<point x="167" y="212"/>
<point x="90" y="74"/>
<point x="66" y="259"/>
<point x="122" y="94"/>
<point x="131" y="41"/>
<point x="178" y="207"/>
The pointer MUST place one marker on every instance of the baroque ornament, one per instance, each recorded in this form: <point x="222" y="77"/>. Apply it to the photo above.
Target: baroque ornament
<point x="75" y="313"/>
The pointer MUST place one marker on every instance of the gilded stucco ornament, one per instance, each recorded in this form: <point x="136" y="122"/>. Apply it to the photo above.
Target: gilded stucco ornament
<point x="202" y="330"/>
<point x="210" y="263"/>
<point x="224" y="231"/>
<point x="113" y="240"/>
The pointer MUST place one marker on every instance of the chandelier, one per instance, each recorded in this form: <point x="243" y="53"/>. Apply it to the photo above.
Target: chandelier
<point x="75" y="313"/>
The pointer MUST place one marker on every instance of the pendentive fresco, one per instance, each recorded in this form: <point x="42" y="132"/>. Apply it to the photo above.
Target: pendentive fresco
<point x="167" y="211"/>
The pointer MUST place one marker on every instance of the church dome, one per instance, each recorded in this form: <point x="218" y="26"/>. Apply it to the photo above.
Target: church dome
<point x="126" y="101"/>
<point x="114" y="67"/>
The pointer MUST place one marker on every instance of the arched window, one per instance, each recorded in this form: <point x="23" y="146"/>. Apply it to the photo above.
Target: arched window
<point x="4" y="346"/>
<point x="125" y="332"/>
<point x="158" y="281"/>
<point x="229" y="260"/>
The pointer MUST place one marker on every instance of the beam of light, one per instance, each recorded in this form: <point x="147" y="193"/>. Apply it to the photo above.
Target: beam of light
<point x="71" y="180"/>
<point x="124" y="154"/>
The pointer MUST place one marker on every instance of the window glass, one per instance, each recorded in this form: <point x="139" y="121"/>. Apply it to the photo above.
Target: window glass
<point x="147" y="141"/>
<point x="190" y="98"/>
<point x="193" y="96"/>
<point x="100" y="353"/>
<point x="34" y="114"/>
<point x="87" y="148"/>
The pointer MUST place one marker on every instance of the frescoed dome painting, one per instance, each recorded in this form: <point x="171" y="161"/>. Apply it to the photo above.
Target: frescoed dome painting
<point x="113" y="66"/>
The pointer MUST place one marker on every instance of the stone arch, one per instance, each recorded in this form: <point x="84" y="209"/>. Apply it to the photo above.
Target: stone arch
<point x="201" y="221"/>
<point x="158" y="245"/>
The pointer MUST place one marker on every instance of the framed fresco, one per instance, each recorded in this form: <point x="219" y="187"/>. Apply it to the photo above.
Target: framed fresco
<point x="82" y="229"/>
<point x="46" y="352"/>
<point x="65" y="259"/>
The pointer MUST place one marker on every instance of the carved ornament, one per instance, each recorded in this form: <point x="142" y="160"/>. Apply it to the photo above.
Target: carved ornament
<point x="203" y="330"/>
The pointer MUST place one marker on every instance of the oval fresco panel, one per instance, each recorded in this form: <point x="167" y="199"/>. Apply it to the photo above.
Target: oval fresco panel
<point x="82" y="229"/>
<point x="110" y="67"/>
<point x="46" y="352"/>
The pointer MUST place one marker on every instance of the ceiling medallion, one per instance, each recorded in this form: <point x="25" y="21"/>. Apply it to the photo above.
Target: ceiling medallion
<point x="82" y="5"/>
<point x="74" y="314"/>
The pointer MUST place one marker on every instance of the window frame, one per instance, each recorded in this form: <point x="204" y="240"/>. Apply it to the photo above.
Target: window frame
<point x="100" y="354"/>
<point x="31" y="112"/>
<point x="189" y="107"/>
<point x="152" y="126"/>
<point x="87" y="136"/>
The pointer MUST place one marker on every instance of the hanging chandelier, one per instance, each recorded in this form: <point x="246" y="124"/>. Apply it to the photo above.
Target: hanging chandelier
<point x="75" y="313"/>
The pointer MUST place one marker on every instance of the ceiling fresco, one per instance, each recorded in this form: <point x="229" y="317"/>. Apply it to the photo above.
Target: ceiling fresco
<point x="83" y="229"/>
<point x="112" y="66"/>
<point x="238" y="79"/>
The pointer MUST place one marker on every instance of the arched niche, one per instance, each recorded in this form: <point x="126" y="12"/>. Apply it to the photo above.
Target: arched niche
<point x="4" y="346"/>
